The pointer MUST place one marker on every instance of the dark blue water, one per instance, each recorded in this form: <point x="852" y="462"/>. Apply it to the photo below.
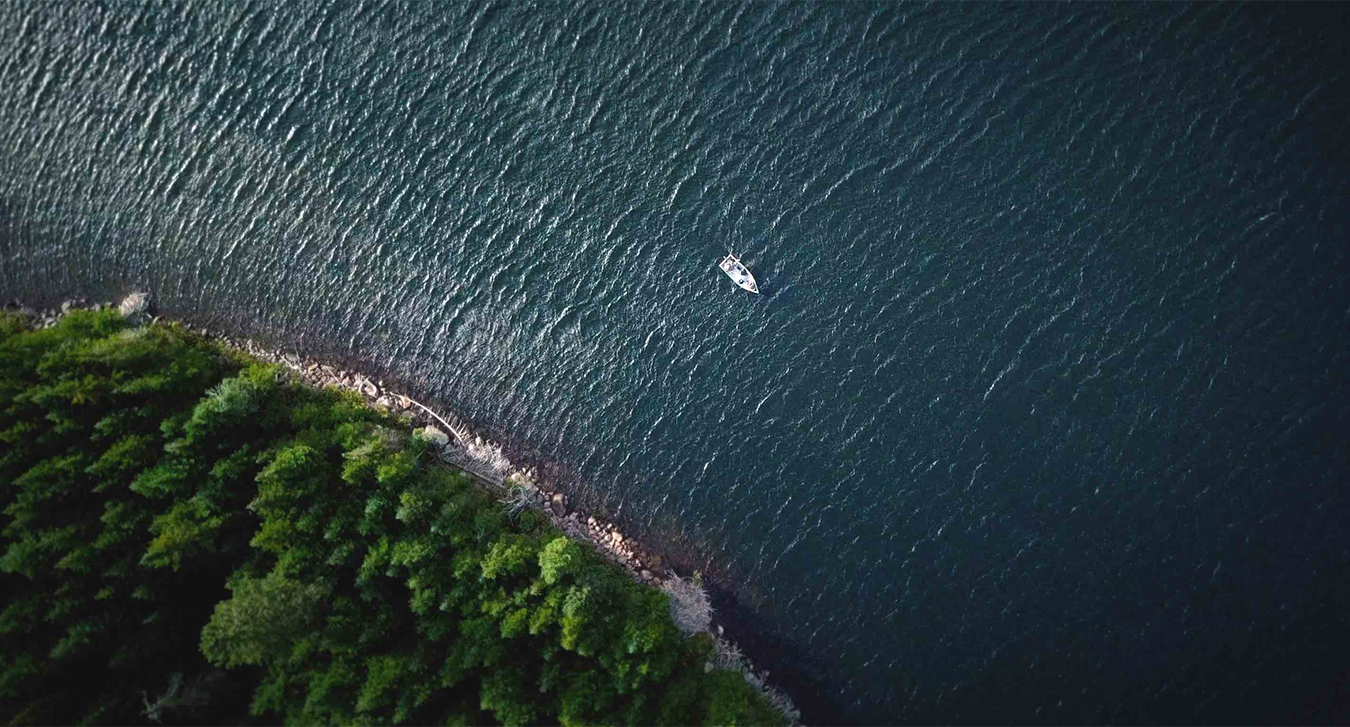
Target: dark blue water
<point x="1041" y="416"/>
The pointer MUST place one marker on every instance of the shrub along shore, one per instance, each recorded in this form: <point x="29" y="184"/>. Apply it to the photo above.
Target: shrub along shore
<point x="195" y="535"/>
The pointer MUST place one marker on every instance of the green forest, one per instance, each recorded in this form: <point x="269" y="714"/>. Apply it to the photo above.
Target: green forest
<point x="189" y="537"/>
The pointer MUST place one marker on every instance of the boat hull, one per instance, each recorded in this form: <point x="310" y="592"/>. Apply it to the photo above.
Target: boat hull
<point x="739" y="274"/>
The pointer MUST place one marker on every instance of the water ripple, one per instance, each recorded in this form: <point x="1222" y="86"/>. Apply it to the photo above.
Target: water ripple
<point x="1052" y="304"/>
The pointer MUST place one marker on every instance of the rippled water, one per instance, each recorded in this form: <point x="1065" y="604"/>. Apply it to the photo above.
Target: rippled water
<point x="1041" y="416"/>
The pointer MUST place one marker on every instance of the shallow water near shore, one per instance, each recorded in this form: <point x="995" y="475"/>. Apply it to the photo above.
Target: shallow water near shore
<point x="1040" y="416"/>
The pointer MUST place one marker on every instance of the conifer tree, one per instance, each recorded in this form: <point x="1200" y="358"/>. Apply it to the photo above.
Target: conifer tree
<point x="187" y="535"/>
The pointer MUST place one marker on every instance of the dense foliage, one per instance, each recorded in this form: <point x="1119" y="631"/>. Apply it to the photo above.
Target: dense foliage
<point x="188" y="537"/>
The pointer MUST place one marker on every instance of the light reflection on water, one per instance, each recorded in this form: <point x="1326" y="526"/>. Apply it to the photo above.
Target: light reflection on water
<point x="1053" y="300"/>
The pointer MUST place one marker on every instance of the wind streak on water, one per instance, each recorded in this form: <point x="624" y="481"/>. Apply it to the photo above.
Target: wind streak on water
<point x="1053" y="319"/>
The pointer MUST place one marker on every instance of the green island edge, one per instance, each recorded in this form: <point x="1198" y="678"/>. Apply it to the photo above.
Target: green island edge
<point x="193" y="536"/>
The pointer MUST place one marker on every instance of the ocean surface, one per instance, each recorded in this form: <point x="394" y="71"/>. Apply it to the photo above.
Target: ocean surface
<point x="1042" y="414"/>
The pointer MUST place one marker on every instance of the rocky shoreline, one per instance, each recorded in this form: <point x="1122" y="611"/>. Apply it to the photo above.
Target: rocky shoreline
<point x="515" y="488"/>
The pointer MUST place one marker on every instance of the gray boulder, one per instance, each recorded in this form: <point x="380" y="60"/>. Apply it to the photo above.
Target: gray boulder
<point x="134" y="305"/>
<point x="436" y="436"/>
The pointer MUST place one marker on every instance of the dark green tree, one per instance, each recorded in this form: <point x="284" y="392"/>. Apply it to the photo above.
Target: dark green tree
<point x="187" y="535"/>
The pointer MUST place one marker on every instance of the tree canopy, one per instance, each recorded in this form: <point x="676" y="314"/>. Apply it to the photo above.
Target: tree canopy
<point x="188" y="536"/>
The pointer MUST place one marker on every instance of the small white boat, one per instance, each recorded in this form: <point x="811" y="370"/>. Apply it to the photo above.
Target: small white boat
<point x="731" y="265"/>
